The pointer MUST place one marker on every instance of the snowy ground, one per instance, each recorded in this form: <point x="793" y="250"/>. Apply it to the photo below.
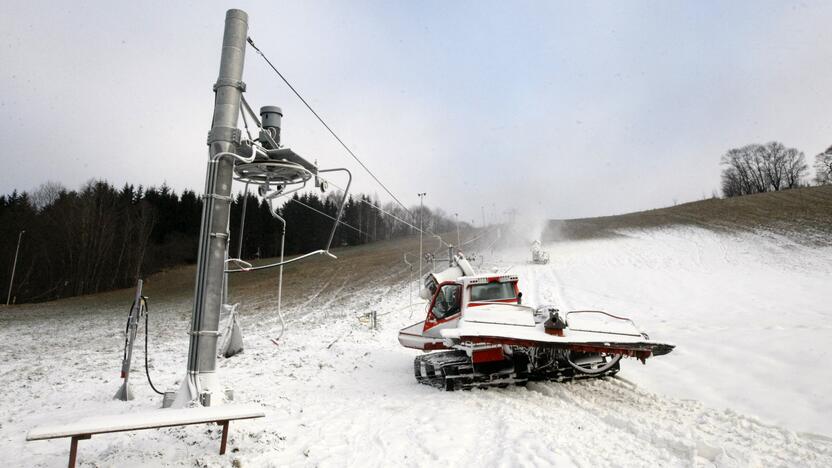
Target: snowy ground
<point x="747" y="379"/>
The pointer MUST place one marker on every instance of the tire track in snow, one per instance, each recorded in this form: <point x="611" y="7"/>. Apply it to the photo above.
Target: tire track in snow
<point x="696" y="434"/>
<point x="542" y="285"/>
<point x="555" y="430"/>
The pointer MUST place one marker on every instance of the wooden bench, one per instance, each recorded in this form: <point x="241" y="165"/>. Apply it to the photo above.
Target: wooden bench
<point x="86" y="428"/>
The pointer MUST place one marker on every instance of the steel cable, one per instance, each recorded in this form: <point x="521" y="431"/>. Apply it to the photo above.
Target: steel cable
<point x="321" y="120"/>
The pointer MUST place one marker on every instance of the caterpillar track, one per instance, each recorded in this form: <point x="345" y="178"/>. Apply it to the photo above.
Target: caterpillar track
<point x="454" y="370"/>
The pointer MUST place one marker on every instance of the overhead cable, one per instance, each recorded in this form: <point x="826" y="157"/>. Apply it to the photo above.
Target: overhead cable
<point x="321" y="120"/>
<point x="328" y="216"/>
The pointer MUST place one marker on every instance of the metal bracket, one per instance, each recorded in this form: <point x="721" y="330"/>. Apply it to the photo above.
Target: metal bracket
<point x="221" y="235"/>
<point x="239" y="84"/>
<point x="224" y="198"/>
<point x="266" y="136"/>
<point x="204" y="333"/>
<point x="226" y="134"/>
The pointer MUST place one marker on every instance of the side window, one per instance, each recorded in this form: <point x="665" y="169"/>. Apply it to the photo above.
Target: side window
<point x="447" y="301"/>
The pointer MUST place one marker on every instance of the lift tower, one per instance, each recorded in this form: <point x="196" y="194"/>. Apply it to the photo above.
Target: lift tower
<point x="201" y="382"/>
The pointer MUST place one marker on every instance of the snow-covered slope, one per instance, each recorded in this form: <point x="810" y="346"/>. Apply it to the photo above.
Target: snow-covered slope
<point x="746" y="313"/>
<point x="749" y="313"/>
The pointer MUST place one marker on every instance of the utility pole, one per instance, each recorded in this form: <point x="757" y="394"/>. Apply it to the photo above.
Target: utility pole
<point x="482" y="208"/>
<point x="458" y="243"/>
<point x="201" y="383"/>
<point x="14" y="266"/>
<point x="421" y="204"/>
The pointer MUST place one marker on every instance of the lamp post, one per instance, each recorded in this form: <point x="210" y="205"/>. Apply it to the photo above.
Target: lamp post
<point x="421" y="204"/>
<point x="14" y="266"/>
<point x="458" y="243"/>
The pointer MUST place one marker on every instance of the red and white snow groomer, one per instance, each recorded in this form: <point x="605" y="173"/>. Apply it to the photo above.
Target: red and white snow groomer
<point x="489" y="338"/>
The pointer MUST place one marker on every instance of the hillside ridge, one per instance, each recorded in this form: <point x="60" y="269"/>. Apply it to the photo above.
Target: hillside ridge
<point x="804" y="215"/>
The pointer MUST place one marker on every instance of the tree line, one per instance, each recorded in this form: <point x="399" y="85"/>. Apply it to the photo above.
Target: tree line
<point x="770" y="167"/>
<point x="100" y="237"/>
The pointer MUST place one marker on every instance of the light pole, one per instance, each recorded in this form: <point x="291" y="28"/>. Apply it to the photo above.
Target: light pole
<point x="14" y="266"/>
<point x="421" y="204"/>
<point x="456" y="216"/>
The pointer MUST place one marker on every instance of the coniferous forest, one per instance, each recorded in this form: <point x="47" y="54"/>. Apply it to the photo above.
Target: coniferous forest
<point x="100" y="237"/>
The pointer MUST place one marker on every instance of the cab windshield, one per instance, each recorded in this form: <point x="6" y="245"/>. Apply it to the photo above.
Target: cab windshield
<point x="492" y="292"/>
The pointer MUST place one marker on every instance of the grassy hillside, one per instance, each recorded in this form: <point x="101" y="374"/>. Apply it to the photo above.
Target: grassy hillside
<point x="804" y="215"/>
<point x="379" y="265"/>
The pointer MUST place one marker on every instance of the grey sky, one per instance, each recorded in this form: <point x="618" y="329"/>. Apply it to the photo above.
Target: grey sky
<point x="563" y="109"/>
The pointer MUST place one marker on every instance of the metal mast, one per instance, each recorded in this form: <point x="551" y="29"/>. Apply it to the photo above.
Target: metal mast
<point x="421" y="230"/>
<point x="14" y="266"/>
<point x="201" y="382"/>
<point x="458" y="242"/>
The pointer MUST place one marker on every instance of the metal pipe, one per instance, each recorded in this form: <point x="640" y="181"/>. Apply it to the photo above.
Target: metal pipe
<point x="280" y="274"/>
<point x="208" y="221"/>
<point x="343" y="202"/>
<point x="213" y="245"/>
<point x="242" y="223"/>
<point x="246" y="266"/>
<point x="14" y="266"/>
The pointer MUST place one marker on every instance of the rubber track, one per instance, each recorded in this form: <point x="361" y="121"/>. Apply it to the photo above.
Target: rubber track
<point x="453" y="370"/>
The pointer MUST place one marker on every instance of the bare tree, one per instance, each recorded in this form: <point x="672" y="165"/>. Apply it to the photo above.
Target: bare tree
<point x="739" y="176"/>
<point x="823" y="167"/>
<point x="795" y="168"/>
<point x="761" y="168"/>
<point x="732" y="184"/>
<point x="772" y="159"/>
<point x="46" y="194"/>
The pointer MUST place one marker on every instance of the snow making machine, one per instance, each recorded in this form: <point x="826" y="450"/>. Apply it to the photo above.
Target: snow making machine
<point x="478" y="333"/>
<point x="539" y="256"/>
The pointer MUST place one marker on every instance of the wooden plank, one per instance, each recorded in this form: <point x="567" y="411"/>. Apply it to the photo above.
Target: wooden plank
<point x="146" y="420"/>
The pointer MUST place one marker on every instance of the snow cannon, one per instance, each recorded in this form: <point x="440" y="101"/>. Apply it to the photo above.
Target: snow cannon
<point x="539" y="256"/>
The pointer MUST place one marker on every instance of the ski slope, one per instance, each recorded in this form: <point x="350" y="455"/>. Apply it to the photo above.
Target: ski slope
<point x="749" y="314"/>
<point x="745" y="386"/>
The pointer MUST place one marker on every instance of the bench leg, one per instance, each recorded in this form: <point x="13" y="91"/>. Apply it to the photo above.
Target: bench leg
<point x="224" y="437"/>
<point x="73" y="448"/>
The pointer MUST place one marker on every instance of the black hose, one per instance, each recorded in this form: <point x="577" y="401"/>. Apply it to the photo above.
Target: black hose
<point x="146" y="334"/>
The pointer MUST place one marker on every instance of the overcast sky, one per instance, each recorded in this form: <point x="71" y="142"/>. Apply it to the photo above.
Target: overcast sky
<point x="566" y="109"/>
